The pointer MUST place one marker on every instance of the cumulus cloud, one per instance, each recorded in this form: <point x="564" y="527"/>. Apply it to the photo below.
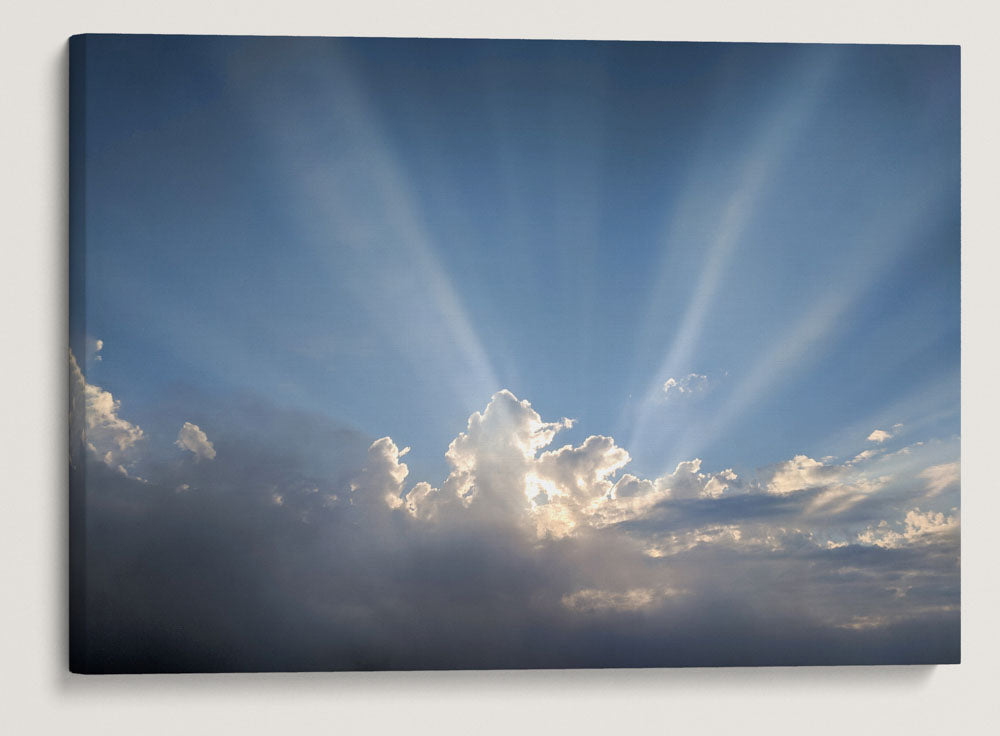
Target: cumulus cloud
<point x="880" y="436"/>
<point x="918" y="528"/>
<point x="95" y="423"/>
<point x="491" y="462"/>
<point x="381" y="480"/>
<point x="192" y="438"/>
<point x="497" y="469"/>
<point x="689" y="384"/>
<point x="502" y="468"/>
<point x="687" y="481"/>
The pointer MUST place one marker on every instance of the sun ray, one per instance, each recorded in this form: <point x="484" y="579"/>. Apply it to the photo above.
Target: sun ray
<point x="396" y="259"/>
<point x="805" y="339"/>
<point x="775" y="138"/>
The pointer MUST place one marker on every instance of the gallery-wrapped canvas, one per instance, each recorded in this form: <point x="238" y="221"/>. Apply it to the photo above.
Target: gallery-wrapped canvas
<point x="475" y="354"/>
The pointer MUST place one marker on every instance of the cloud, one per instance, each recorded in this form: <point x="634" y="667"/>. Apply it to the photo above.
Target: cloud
<point x="879" y="435"/>
<point x="687" y="481"/>
<point x="95" y="424"/>
<point x="942" y="477"/>
<point x="497" y="469"/>
<point x="528" y="553"/>
<point x="502" y="469"/>
<point x="582" y="472"/>
<point x="192" y="438"/>
<point x="864" y="455"/>
<point x="689" y="384"/>
<point x="491" y="461"/>
<point x="590" y="600"/>
<point x="918" y="528"/>
<point x="800" y="473"/>
<point x="381" y="481"/>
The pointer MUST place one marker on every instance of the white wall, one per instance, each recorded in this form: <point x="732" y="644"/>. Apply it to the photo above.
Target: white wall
<point x="37" y="694"/>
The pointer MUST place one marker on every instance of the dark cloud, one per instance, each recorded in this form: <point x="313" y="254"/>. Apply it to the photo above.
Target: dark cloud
<point x="284" y="553"/>
<point x="229" y="580"/>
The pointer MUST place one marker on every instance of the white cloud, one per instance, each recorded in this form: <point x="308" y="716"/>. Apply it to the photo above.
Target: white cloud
<point x="629" y="486"/>
<point x="879" y="435"/>
<point x="744" y="537"/>
<point x="420" y="501"/>
<point x="583" y="472"/>
<point x="840" y="497"/>
<point x="687" y="481"/>
<point x="798" y="474"/>
<point x="491" y="460"/>
<point x="921" y="524"/>
<point x="94" y="420"/>
<point x="688" y="384"/>
<point x="835" y="488"/>
<point x="501" y="469"/>
<point x="497" y="469"/>
<point x="192" y="438"/>
<point x="504" y="474"/>
<point x="918" y="528"/>
<point x="381" y="481"/>
<point x="942" y="477"/>
<point x="864" y="455"/>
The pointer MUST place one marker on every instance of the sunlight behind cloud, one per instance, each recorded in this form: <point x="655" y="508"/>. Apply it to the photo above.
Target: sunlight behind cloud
<point x="305" y="256"/>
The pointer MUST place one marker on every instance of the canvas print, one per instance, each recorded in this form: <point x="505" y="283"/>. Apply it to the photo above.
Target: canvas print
<point x="403" y="354"/>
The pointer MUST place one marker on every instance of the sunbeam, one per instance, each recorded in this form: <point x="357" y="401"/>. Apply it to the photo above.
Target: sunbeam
<point x="395" y="273"/>
<point x="358" y="316"/>
<point x="815" y="333"/>
<point x="776" y="135"/>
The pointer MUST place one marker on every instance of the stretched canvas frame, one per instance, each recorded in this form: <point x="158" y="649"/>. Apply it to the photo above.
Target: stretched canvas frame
<point x="672" y="330"/>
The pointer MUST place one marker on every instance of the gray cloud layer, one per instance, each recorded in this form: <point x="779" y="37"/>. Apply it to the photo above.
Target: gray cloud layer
<point x="306" y="546"/>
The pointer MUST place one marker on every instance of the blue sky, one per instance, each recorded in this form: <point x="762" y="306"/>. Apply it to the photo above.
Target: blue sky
<point x="747" y="254"/>
<point x="601" y="217"/>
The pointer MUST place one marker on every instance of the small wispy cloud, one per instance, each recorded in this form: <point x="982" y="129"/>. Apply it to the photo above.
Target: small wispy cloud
<point x="689" y="384"/>
<point x="942" y="477"/>
<point x="881" y="435"/>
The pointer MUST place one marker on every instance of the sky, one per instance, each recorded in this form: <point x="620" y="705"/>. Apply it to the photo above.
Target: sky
<point x="396" y="353"/>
